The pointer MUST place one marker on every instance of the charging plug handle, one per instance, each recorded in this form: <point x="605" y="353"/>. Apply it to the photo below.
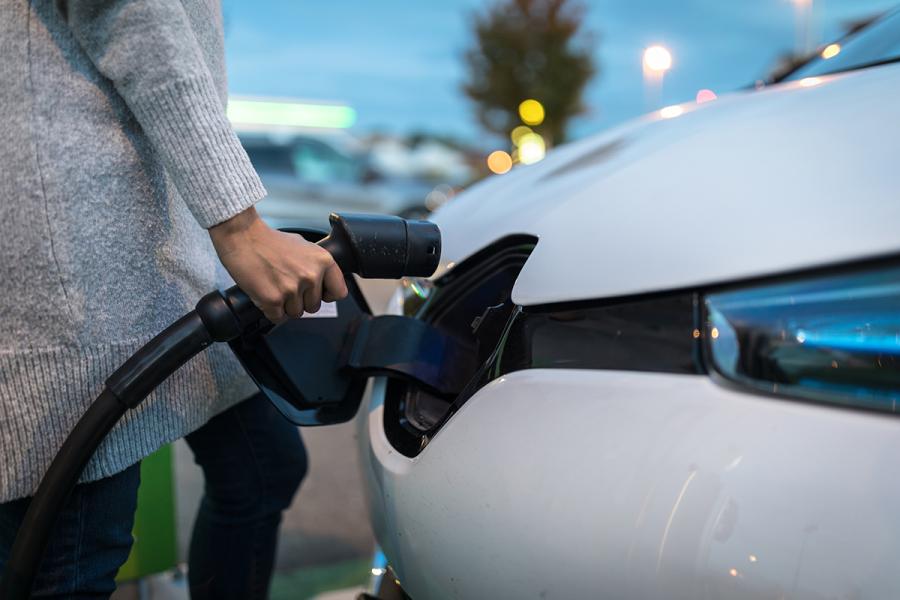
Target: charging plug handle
<point x="372" y="246"/>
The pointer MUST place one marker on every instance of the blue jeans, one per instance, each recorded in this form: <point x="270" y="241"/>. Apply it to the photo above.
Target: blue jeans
<point x="253" y="462"/>
<point x="91" y="540"/>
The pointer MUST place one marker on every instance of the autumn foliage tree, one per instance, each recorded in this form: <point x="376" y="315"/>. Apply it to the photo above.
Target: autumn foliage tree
<point x="529" y="49"/>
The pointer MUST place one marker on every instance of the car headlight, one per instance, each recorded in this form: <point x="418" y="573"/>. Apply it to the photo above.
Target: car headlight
<point x="831" y="338"/>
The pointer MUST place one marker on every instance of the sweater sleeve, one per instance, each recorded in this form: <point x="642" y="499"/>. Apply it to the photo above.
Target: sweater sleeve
<point x="150" y="53"/>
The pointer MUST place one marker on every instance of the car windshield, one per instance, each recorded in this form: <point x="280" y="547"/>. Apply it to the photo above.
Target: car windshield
<point x="876" y="44"/>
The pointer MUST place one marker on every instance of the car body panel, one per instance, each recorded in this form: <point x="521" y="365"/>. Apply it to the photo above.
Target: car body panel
<point x="572" y="484"/>
<point x="799" y="175"/>
<point x="637" y="485"/>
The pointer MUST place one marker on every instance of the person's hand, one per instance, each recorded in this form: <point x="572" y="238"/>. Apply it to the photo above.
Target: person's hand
<point x="282" y="273"/>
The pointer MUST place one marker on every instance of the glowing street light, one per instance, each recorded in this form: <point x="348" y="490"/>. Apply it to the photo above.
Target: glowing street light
<point x="656" y="61"/>
<point x="532" y="148"/>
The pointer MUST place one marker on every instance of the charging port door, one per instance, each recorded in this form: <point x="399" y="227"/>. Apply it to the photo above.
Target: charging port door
<point x="314" y="369"/>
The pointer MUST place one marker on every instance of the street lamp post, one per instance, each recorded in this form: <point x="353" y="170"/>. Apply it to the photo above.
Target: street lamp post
<point x="656" y="61"/>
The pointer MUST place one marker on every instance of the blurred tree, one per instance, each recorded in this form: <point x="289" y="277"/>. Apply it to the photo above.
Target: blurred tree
<point x="529" y="49"/>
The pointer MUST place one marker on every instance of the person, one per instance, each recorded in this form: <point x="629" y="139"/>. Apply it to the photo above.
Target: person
<point x="121" y="180"/>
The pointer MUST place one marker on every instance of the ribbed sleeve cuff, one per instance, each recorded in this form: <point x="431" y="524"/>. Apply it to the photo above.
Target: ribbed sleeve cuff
<point x="186" y="124"/>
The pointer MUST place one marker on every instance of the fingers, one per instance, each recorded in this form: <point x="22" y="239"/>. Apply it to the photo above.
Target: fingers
<point x="312" y="299"/>
<point x="328" y="283"/>
<point x="335" y="287"/>
<point x="283" y="274"/>
<point x="271" y="305"/>
<point x="294" y="305"/>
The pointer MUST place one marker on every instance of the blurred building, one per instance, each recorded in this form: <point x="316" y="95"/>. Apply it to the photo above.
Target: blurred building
<point x="312" y="165"/>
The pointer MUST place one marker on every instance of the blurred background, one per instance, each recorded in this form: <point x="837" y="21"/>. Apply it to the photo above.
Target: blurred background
<point x="396" y="107"/>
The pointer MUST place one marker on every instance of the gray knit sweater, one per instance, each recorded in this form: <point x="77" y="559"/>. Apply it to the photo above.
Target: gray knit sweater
<point x="115" y="154"/>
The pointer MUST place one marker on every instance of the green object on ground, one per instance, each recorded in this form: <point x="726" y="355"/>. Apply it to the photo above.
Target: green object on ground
<point x="309" y="581"/>
<point x="155" y="543"/>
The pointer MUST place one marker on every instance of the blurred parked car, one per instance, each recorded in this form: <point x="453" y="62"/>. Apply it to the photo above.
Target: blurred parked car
<point x="309" y="176"/>
<point x="685" y="359"/>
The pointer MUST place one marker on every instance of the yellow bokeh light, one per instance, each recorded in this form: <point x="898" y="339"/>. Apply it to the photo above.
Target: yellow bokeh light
<point x="531" y="112"/>
<point x="499" y="162"/>
<point x="657" y="59"/>
<point x="714" y="334"/>
<point x="831" y="50"/>
<point x="518" y="133"/>
<point x="531" y="149"/>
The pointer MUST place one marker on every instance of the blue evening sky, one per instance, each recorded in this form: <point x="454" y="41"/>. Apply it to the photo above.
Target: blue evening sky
<point x="399" y="62"/>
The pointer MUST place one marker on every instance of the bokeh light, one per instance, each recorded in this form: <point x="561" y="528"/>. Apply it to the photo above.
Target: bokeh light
<point x="246" y="113"/>
<point x="705" y="96"/>
<point x="531" y="112"/>
<point x="670" y="112"/>
<point x="499" y="162"/>
<point x="518" y="133"/>
<point x="532" y="149"/>
<point x="439" y="195"/>
<point x="657" y="59"/>
<point x="831" y="50"/>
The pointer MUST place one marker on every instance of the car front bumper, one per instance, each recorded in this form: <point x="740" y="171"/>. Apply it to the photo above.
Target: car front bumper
<point x="569" y="484"/>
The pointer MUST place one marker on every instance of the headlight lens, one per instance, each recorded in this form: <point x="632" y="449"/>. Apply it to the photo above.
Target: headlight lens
<point x="833" y="338"/>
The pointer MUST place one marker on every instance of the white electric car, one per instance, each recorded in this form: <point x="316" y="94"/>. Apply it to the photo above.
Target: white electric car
<point x="685" y="360"/>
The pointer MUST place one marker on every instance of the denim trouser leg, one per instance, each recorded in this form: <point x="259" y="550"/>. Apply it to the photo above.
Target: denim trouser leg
<point x="253" y="461"/>
<point x="91" y="540"/>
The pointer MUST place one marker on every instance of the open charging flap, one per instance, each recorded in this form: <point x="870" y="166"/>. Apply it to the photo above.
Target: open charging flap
<point x="314" y="369"/>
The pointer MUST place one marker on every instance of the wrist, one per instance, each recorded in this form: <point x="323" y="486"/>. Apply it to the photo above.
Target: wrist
<point x="240" y="223"/>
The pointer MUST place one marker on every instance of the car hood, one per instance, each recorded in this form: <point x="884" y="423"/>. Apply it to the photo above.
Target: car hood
<point x="796" y="175"/>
